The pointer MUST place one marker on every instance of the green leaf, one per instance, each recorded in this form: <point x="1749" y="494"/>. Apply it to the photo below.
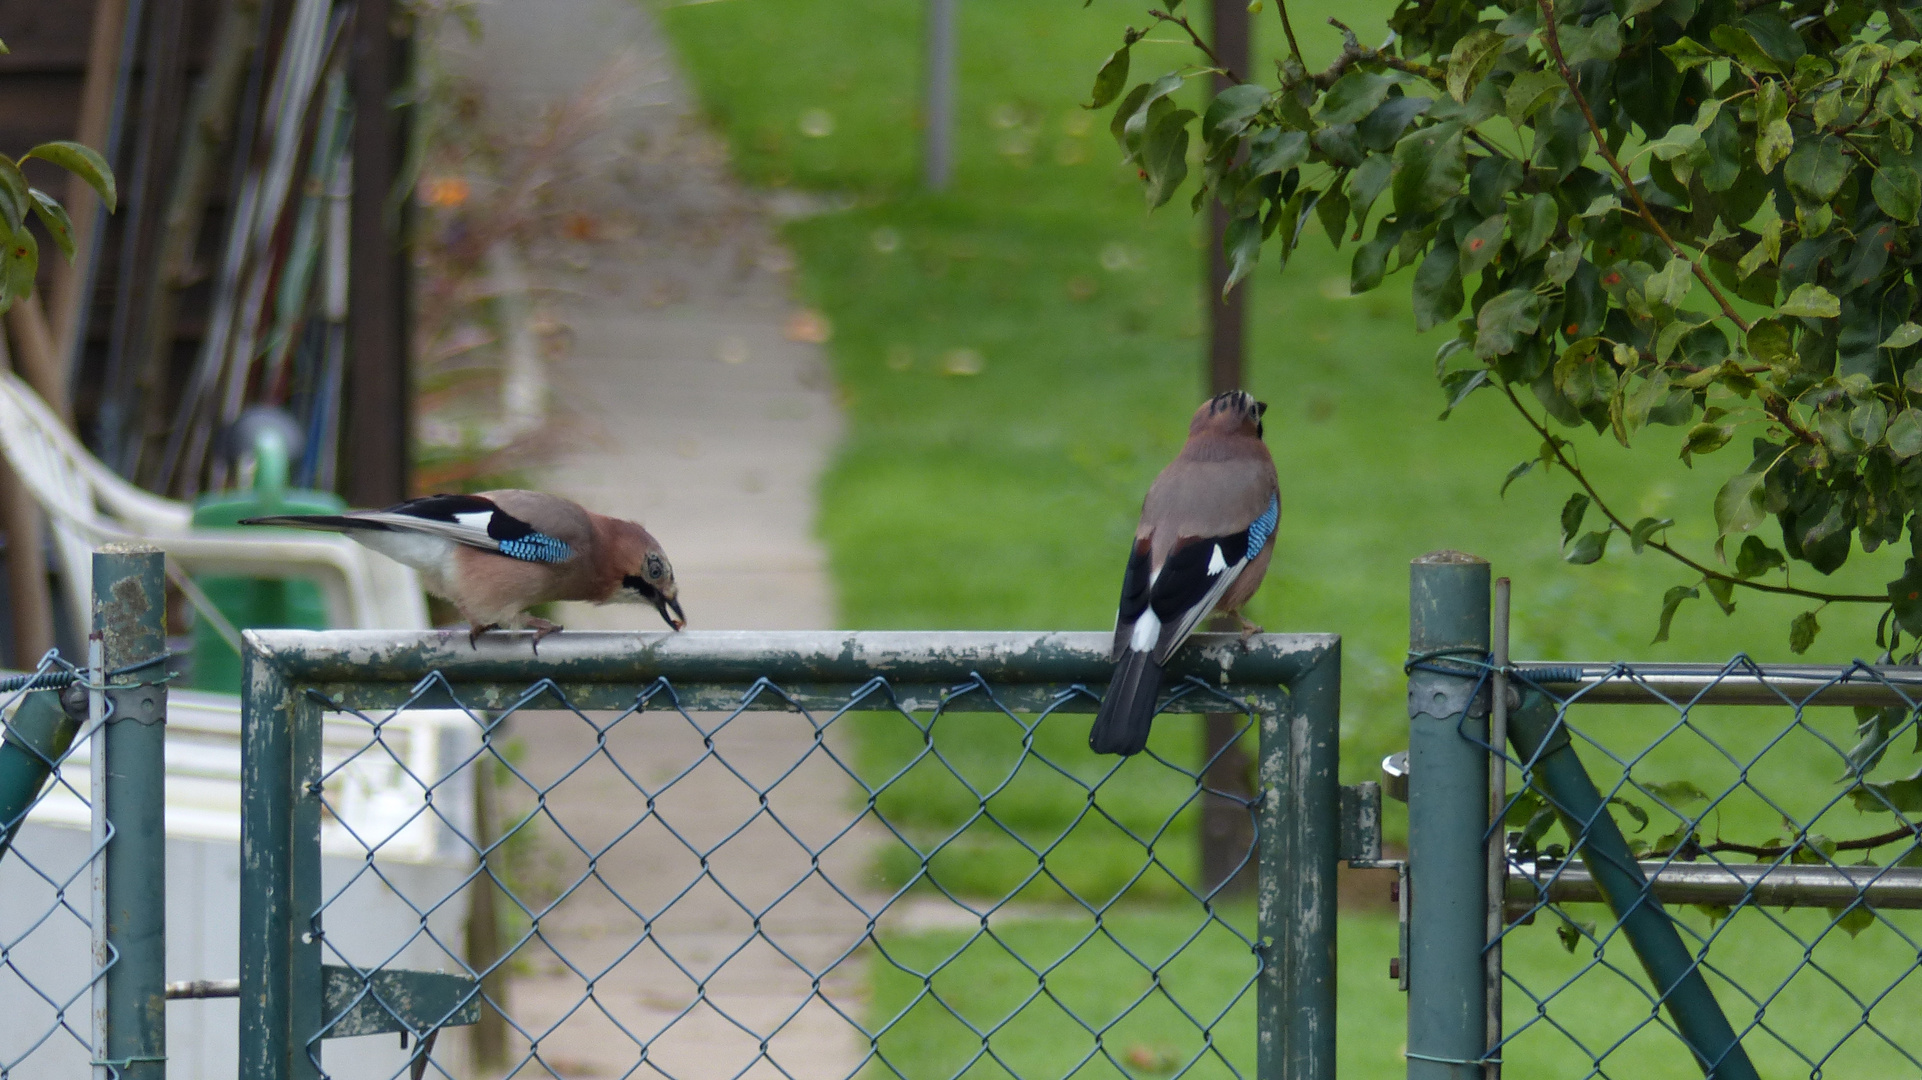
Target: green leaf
<point x="1482" y="244"/>
<point x="1770" y="342"/>
<point x="1738" y="506"/>
<point x="1570" y="932"/>
<point x="1599" y="40"/>
<point x="53" y="218"/>
<point x="1354" y="96"/>
<point x="22" y="263"/>
<point x="1644" y="529"/>
<point x="1892" y="796"/>
<point x="1429" y="168"/>
<point x="1241" y="243"/>
<point x="1687" y="53"/>
<point x="1903" y="336"/>
<point x="1897" y="188"/>
<point x="1471" y="58"/>
<point x="1722" y="591"/>
<point x="1640" y="815"/>
<point x="1854" y="919"/>
<point x="1164" y="152"/>
<point x="1766" y="250"/>
<point x="1810" y="300"/>
<point x="1332" y="209"/>
<point x="1677" y="793"/>
<point x="1367" y="184"/>
<point x="1515" y="474"/>
<point x="1742" y="44"/>
<point x="1905" y="596"/>
<point x="1437" y="290"/>
<point x="1802" y="631"/>
<point x="1110" y="79"/>
<point x="1530" y="91"/>
<point x="1589" y="548"/>
<point x="1816" y="170"/>
<point x="1534" y="224"/>
<point x="1457" y="385"/>
<point x="1905" y="434"/>
<point x="1122" y="123"/>
<point x="1705" y="438"/>
<point x="1561" y="265"/>
<point x="1757" y="558"/>
<point x="1278" y="153"/>
<point x="1868" y="421"/>
<point x="1671" y="601"/>
<point x="1505" y="320"/>
<point x="82" y="162"/>
<point x="1572" y="513"/>
<point x="1777" y="139"/>
<point x="1671" y="284"/>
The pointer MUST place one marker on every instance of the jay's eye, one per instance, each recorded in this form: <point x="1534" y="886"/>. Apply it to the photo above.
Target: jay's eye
<point x="656" y="566"/>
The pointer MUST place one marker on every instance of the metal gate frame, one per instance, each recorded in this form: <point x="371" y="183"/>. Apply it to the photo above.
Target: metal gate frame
<point x="1292" y="683"/>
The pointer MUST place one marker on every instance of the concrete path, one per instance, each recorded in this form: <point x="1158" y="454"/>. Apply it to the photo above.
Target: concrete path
<point x="692" y="411"/>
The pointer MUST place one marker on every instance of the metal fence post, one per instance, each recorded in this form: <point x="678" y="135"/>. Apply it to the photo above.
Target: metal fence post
<point x="1295" y="894"/>
<point x="1447" y="814"/>
<point x="36" y="738"/>
<point x="130" y="615"/>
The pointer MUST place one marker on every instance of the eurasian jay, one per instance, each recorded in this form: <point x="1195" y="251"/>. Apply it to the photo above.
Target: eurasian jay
<point x="496" y="554"/>
<point x="1202" y="546"/>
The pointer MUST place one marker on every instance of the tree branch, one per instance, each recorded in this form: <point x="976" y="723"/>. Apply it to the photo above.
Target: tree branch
<point x="1354" y="52"/>
<point x="1615" y="520"/>
<point x="1182" y="21"/>
<point x="1288" y="28"/>
<point x="1552" y="38"/>
<point x="1775" y="851"/>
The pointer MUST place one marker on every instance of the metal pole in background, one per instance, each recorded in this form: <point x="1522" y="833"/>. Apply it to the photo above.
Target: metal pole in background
<point x="1225" y="832"/>
<point x="937" y="148"/>
<point x="1447" y="816"/>
<point x="1497" y="834"/>
<point x="130" y="615"/>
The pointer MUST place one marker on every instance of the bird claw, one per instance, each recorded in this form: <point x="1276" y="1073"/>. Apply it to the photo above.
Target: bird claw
<point x="542" y="628"/>
<point x="474" y="633"/>
<point x="1249" y="629"/>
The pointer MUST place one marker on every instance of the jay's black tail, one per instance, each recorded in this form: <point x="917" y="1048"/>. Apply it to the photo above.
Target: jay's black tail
<point x="1129" y="708"/>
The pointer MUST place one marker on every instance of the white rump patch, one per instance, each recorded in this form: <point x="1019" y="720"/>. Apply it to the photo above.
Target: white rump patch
<point x="1147" y="632"/>
<point x="1216" y="564"/>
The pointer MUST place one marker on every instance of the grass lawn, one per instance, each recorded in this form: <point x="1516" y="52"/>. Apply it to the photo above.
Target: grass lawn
<point x="1017" y="357"/>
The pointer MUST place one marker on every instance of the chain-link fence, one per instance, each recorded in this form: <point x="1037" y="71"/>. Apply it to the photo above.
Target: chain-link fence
<point x="47" y="864"/>
<point x="1693" y="869"/>
<point x="802" y="855"/>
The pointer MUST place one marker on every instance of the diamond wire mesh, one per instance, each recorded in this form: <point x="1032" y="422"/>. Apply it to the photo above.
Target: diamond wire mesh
<point x="782" y="890"/>
<point x="1810" y="990"/>
<point x="46" y="967"/>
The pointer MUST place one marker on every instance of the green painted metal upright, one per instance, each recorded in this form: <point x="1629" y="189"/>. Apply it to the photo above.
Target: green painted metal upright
<point x="1447" y="811"/>
<point x="1295" y="892"/>
<point x="130" y="615"/>
<point x="1558" y="773"/>
<point x="37" y="737"/>
<point x="280" y="935"/>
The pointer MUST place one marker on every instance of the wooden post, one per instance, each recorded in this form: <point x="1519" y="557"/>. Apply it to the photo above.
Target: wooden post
<point x="36" y="356"/>
<point x="65" y="299"/>
<point x="378" y="446"/>
<point x="1227" y="830"/>
<point x="32" y="597"/>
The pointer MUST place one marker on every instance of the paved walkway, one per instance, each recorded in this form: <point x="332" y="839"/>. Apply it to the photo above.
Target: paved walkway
<point x="694" y="413"/>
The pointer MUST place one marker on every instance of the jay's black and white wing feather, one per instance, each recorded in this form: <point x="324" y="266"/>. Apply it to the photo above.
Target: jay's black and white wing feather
<point x="470" y="520"/>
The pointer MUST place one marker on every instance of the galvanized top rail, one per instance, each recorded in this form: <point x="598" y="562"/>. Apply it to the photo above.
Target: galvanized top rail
<point x="1721" y="684"/>
<point x="819" y="665"/>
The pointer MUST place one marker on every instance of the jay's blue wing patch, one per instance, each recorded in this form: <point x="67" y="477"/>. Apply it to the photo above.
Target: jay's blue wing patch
<point x="537" y="547"/>
<point x="1263" y="529"/>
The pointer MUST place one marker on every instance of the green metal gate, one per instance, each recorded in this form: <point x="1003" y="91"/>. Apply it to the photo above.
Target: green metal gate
<point x="618" y="709"/>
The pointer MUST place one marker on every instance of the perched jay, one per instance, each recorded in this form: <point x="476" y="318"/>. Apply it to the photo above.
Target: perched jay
<point x="496" y="554"/>
<point x="1202" y="546"/>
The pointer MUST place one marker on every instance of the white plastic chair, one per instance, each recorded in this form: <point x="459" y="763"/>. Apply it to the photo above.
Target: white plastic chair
<point x="88" y="505"/>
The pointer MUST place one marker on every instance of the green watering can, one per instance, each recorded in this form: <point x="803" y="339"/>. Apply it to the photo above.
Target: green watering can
<point x="249" y="602"/>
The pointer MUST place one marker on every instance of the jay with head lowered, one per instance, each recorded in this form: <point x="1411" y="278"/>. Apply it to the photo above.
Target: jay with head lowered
<point x="1203" y="545"/>
<point x="496" y="554"/>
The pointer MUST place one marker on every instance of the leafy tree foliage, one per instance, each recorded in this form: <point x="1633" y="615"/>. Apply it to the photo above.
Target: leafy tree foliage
<point x="19" y="202"/>
<point x="1688" y="224"/>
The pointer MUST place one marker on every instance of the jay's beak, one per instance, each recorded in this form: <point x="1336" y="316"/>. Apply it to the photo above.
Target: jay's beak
<point x="677" y="619"/>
